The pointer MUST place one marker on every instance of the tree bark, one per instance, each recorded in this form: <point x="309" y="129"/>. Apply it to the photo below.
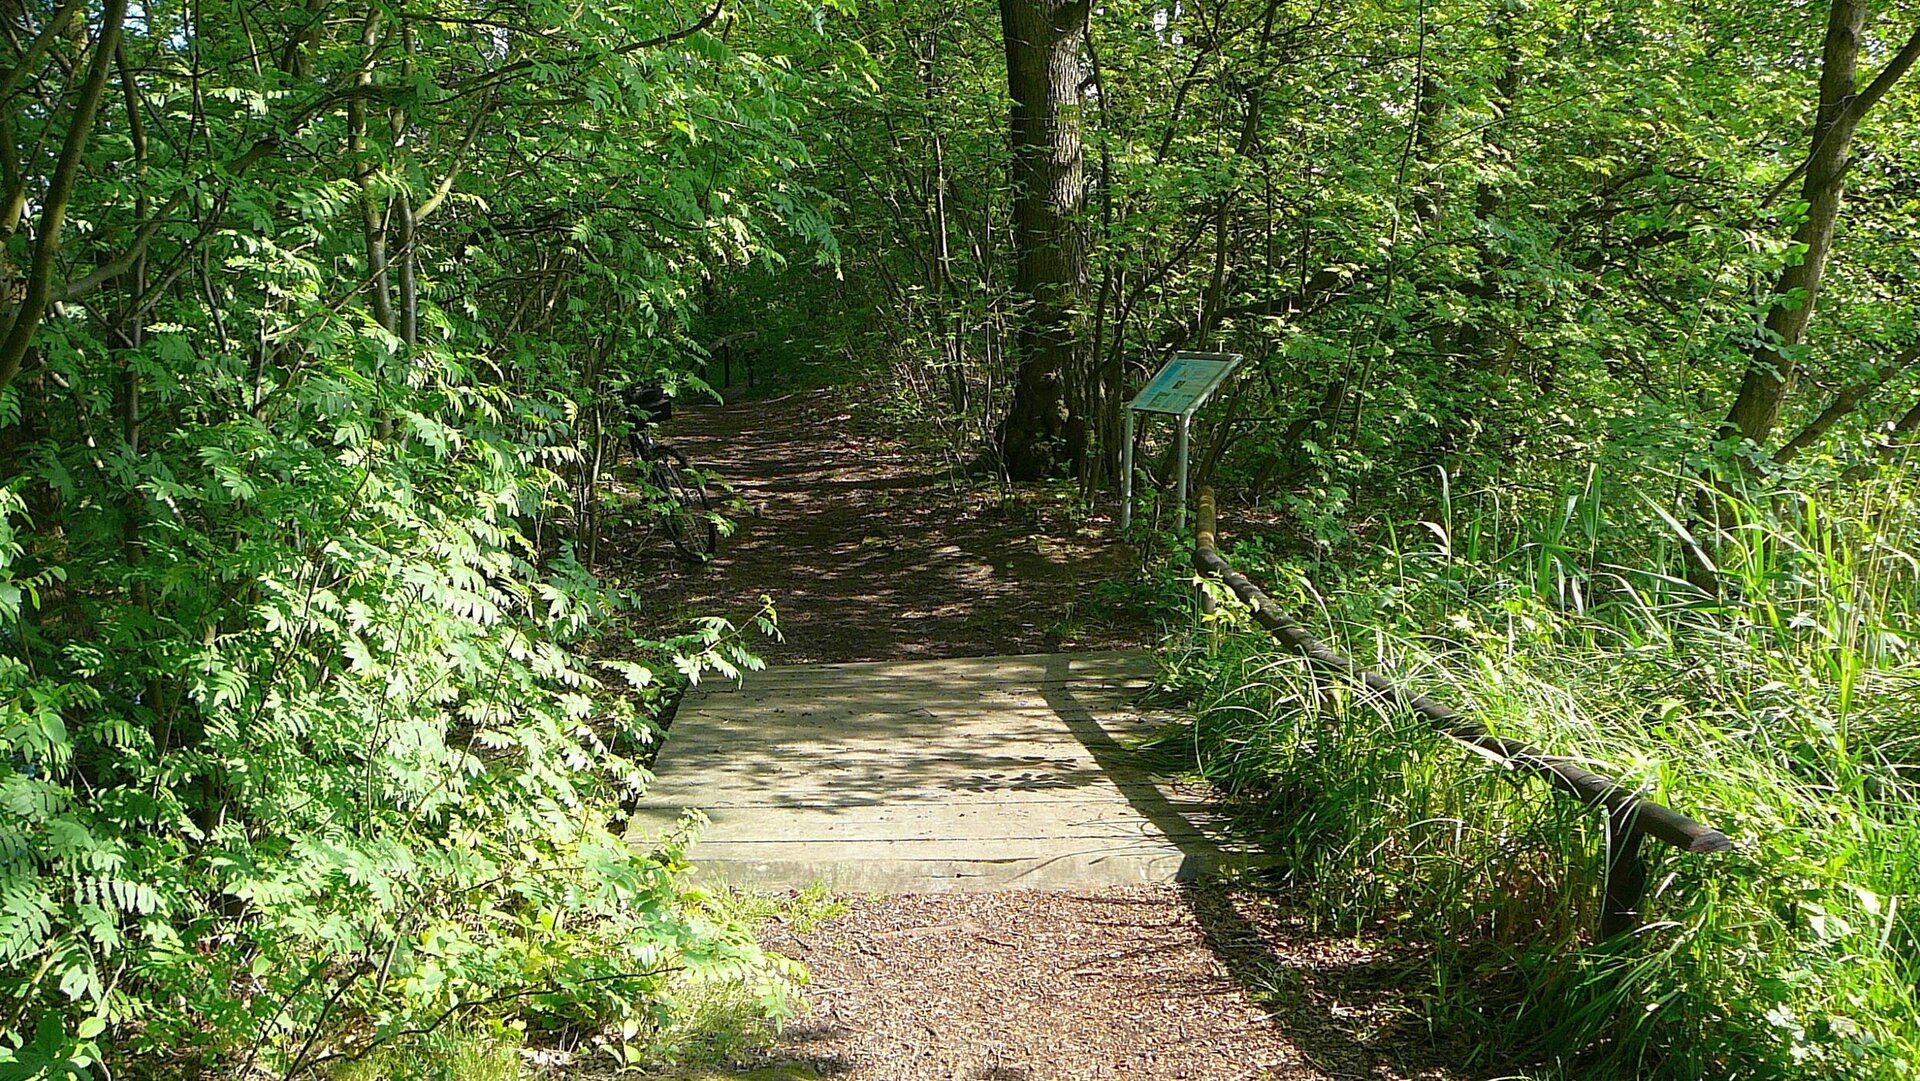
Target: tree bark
<point x="1044" y="42"/>
<point x="1772" y="367"/>
<point x="53" y="204"/>
<point x="373" y="225"/>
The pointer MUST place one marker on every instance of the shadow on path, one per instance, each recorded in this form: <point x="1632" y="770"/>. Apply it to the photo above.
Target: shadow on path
<point x="871" y="551"/>
<point x="1131" y="775"/>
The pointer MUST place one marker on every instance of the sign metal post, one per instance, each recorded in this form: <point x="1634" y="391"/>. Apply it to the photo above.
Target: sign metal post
<point x="1177" y="390"/>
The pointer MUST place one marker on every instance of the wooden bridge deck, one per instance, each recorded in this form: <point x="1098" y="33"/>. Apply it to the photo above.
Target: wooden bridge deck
<point x="979" y="773"/>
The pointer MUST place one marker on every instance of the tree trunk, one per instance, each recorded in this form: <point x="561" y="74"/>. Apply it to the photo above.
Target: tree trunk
<point x="1044" y="42"/>
<point x="1770" y="372"/>
<point x="373" y="225"/>
<point x="37" y="292"/>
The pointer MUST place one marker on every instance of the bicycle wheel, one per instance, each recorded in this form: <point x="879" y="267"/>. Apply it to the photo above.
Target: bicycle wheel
<point x="690" y="523"/>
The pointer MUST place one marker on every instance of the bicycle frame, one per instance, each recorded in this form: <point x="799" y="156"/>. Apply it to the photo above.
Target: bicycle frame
<point x="646" y="447"/>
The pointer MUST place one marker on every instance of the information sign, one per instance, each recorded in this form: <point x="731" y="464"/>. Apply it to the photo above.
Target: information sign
<point x="1179" y="389"/>
<point x="1184" y="384"/>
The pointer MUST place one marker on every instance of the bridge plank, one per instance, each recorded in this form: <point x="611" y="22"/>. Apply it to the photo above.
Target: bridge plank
<point x="904" y="777"/>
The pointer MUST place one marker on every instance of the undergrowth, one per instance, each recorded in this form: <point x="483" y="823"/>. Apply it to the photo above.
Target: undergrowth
<point x="1782" y="710"/>
<point x="329" y="771"/>
<point x="715" y="1016"/>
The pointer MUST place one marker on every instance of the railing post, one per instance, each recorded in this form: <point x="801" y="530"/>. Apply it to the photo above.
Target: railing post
<point x="1203" y="539"/>
<point x="1626" y="867"/>
<point x="1631" y="819"/>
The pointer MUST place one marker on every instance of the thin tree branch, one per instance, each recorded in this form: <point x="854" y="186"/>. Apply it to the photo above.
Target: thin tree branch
<point x="35" y="48"/>
<point x="1844" y="403"/>
<point x="445" y="186"/>
<point x="1896" y="68"/>
<point x="707" y="20"/>
<point x="1855" y="110"/>
<point x="501" y="75"/>
<point x="373" y="1045"/>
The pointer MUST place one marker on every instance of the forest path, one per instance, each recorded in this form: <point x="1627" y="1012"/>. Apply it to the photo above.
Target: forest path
<point x="871" y="552"/>
<point x="944" y="972"/>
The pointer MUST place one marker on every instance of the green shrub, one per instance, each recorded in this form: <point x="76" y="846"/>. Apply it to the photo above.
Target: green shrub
<point x="325" y="766"/>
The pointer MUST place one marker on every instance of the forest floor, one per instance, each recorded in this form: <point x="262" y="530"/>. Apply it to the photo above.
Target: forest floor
<point x="871" y="552"/>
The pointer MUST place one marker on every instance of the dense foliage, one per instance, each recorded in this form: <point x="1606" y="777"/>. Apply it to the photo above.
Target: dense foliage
<point x="1491" y="238"/>
<point x="304" y="745"/>
<point x="1786" y="719"/>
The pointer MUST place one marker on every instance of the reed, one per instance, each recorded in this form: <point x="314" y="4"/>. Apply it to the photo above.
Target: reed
<point x="1785" y="710"/>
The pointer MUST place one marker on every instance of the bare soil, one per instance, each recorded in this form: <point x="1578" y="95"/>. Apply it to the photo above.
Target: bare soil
<point x="872" y="550"/>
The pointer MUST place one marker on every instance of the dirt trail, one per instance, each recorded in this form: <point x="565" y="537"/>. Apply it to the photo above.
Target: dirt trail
<point x="870" y="554"/>
<point x="1144" y="982"/>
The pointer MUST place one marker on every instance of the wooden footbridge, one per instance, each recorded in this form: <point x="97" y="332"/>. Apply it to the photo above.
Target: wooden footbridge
<point x="994" y="773"/>
<point x="982" y="773"/>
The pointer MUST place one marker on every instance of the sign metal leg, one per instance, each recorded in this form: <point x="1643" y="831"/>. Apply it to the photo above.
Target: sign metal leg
<point x="1180" y="505"/>
<point x="1126" y="471"/>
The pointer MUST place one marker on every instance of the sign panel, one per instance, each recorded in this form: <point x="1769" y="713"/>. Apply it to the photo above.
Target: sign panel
<point x="1184" y="384"/>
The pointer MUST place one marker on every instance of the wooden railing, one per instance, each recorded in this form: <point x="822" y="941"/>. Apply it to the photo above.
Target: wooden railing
<point x="1630" y="819"/>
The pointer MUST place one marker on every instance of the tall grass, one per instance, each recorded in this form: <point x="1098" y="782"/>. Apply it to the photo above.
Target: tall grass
<point x="1786" y="711"/>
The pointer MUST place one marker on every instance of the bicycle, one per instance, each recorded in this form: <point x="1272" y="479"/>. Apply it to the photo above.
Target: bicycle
<point x="690" y="521"/>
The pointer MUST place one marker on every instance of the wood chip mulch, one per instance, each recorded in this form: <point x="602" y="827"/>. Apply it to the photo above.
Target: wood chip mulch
<point x="1152" y="981"/>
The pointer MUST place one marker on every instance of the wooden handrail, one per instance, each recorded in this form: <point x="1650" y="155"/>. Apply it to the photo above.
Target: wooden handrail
<point x="1630" y="817"/>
